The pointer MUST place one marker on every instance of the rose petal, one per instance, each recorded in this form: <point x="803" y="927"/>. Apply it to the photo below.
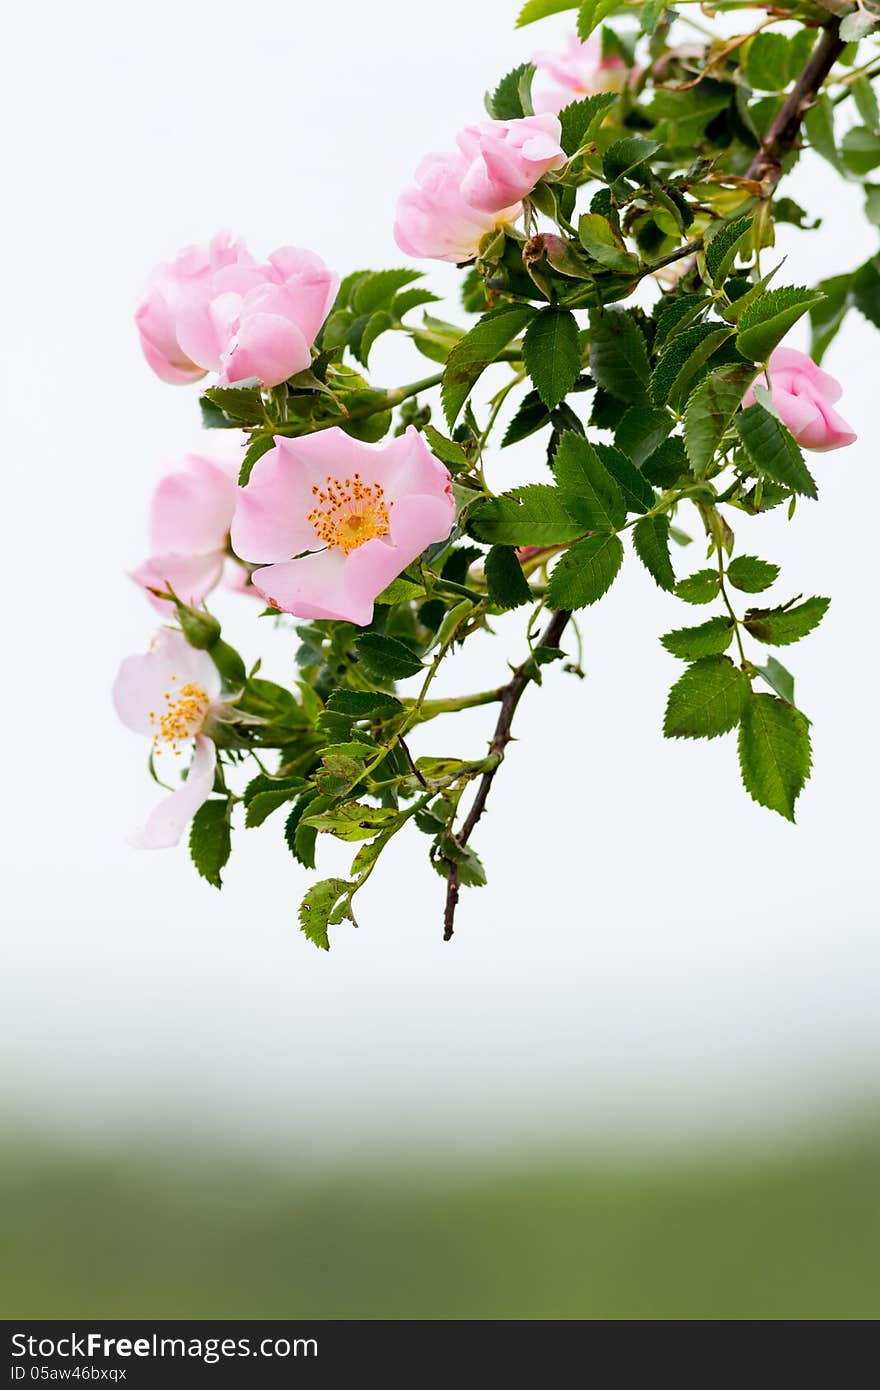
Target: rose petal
<point x="167" y="822"/>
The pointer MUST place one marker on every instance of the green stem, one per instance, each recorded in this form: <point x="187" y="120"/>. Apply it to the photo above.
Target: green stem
<point x="450" y="704"/>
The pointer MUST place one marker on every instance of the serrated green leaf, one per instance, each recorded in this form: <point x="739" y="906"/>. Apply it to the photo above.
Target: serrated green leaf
<point x="318" y="906"/>
<point x="772" y="451"/>
<point x="505" y="103"/>
<point x="667" y="464"/>
<point x="386" y="657"/>
<point x="625" y="156"/>
<point x="766" y="322"/>
<point x="241" y="404"/>
<point x="866" y="290"/>
<point x="377" y="289"/>
<point x="860" y="150"/>
<point x="591" y="14"/>
<point x="210" y="839"/>
<point x="710" y="411"/>
<point x="827" y="315"/>
<point x="531" y="515"/>
<point x="581" y="119"/>
<point x="676" y="312"/>
<point x="778" y="678"/>
<point x="446" y="450"/>
<point x="263" y="795"/>
<point x="552" y="354"/>
<point x="377" y="324"/>
<point x="774" y="753"/>
<point x="637" y="492"/>
<point x="701" y="587"/>
<point x="353" y="820"/>
<point x="507" y="585"/>
<point x="400" y="590"/>
<point x="819" y="125"/>
<point x="707" y="639"/>
<point x="587" y="490"/>
<point x="641" y="432"/>
<point x="408" y="300"/>
<point x="363" y="704"/>
<point x="767" y="65"/>
<point x="473" y="353"/>
<point x="618" y="356"/>
<point x="866" y="103"/>
<point x="601" y="239"/>
<point x="540" y="9"/>
<point x="779" y="627"/>
<point x="651" y="541"/>
<point x="682" y="356"/>
<point x="751" y="575"/>
<point x="531" y="415"/>
<point x="708" y="700"/>
<point x="255" y="450"/>
<point x="722" y="248"/>
<point x="585" y="572"/>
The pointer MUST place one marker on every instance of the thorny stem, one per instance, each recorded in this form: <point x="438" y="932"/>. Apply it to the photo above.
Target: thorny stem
<point x="511" y="694"/>
<point x="766" y="167"/>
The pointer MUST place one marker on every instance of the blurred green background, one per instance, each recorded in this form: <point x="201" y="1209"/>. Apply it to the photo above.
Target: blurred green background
<point x="792" y="1233"/>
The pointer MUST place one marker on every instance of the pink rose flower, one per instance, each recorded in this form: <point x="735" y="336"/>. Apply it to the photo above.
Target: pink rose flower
<point x="240" y="319"/>
<point x="334" y="520"/>
<point x="169" y="694"/>
<point x="804" y="396"/>
<point x="187" y="280"/>
<point x="461" y="196"/>
<point x="579" y="70"/>
<point x="190" y="515"/>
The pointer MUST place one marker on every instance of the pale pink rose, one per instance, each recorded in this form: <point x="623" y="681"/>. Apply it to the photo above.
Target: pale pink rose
<point x="168" y="695"/>
<point x="578" y="70"/>
<point x="804" y="396"/>
<point x="186" y="281"/>
<point x="246" y="320"/>
<point x="190" y="515"/>
<point x="462" y="196"/>
<point x="507" y="158"/>
<point x="334" y="520"/>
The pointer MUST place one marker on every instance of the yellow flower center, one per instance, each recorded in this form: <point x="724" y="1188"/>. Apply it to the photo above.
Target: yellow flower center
<point x="349" y="512"/>
<point x="182" y="717"/>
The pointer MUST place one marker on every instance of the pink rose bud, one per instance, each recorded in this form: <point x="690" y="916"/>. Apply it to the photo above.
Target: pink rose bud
<point x="578" y="71"/>
<point x="803" y="397"/>
<point x="460" y="197"/>
<point x="235" y="317"/>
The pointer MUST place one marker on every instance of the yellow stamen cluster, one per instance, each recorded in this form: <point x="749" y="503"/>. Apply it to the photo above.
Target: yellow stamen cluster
<point x="349" y="512"/>
<point x="182" y="718"/>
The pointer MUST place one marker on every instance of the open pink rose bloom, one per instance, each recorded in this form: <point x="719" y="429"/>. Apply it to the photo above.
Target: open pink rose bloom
<point x="190" y="516"/>
<point x="334" y="520"/>
<point x="216" y="309"/>
<point x="461" y="196"/>
<point x="579" y="70"/>
<point x="168" y="695"/>
<point x="804" y="397"/>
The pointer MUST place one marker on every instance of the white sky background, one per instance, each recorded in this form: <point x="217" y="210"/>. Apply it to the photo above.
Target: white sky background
<point x="654" y="952"/>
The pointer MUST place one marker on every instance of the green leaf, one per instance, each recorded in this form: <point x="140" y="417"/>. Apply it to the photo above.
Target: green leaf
<point x="627" y="155"/>
<point x="447" y="450"/>
<point x="667" y="464"/>
<point x="241" y="404"/>
<point x="605" y="244"/>
<point x="708" y="700"/>
<point x="860" y="149"/>
<point x="866" y="290"/>
<point x="263" y="795"/>
<point x="377" y="324"/>
<point x="400" y="590"/>
<point x="618" y="356"/>
<point x="707" y="639"/>
<point x="363" y="704"/>
<point x="710" y="412"/>
<point x="751" y="575"/>
<point x="637" y="492"/>
<point x="721" y="250"/>
<point x="539" y="9"/>
<point x="255" y="450"/>
<point x="531" y="415"/>
<point x="651" y="541"/>
<point x="778" y="678"/>
<point x="767" y="66"/>
<point x="772" y="451"/>
<point x="591" y="14"/>
<point x="531" y="515"/>
<point x="472" y="354"/>
<point x="386" y="657"/>
<point x="412" y="299"/>
<point x="779" y="627"/>
<point x="581" y="119"/>
<point x="819" y="125"/>
<point x="552" y="354"/>
<point x="588" y="492"/>
<point x="319" y="906"/>
<point x="505" y="104"/>
<point x="210" y="839"/>
<point x="585" y="572"/>
<point x="353" y="820"/>
<point x="683" y="357"/>
<point x="766" y="322"/>
<point x="827" y="315"/>
<point x="641" y="432"/>
<point x="866" y="103"/>
<point x="702" y="587"/>
<point x="508" y="586"/>
<point x="377" y="289"/>
<point x="774" y="753"/>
